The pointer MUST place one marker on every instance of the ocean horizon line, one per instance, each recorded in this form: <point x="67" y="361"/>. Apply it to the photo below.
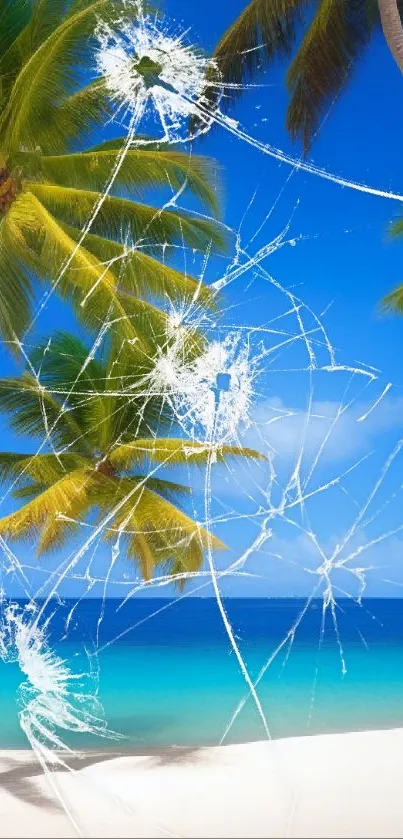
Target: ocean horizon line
<point x="180" y="598"/>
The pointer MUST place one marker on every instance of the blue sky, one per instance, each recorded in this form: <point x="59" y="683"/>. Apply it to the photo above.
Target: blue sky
<point x="342" y="267"/>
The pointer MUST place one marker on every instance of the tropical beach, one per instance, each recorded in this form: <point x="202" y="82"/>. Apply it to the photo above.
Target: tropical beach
<point x="170" y="699"/>
<point x="201" y="531"/>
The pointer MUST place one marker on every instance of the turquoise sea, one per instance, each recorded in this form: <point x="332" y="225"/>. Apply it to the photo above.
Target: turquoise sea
<point x="173" y="679"/>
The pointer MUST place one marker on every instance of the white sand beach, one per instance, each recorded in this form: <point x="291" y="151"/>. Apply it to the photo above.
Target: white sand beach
<point x="336" y="785"/>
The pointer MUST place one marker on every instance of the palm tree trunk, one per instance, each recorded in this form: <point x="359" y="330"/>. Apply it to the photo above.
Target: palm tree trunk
<point x="9" y="188"/>
<point x="105" y="467"/>
<point x="392" y="29"/>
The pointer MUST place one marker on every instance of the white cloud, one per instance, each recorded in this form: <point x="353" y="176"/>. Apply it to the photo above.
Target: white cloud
<point x="338" y="434"/>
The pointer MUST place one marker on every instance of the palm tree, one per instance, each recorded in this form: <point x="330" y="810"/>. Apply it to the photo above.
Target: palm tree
<point x="334" y="39"/>
<point x="51" y="178"/>
<point x="393" y="302"/>
<point x="103" y="462"/>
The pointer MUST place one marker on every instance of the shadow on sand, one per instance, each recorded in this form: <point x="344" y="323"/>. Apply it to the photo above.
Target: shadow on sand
<point x="20" y="776"/>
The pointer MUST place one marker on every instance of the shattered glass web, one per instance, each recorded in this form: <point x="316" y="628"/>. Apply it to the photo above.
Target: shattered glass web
<point x="216" y="399"/>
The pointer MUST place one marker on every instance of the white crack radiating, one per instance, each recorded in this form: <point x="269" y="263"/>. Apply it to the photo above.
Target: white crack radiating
<point x="235" y="391"/>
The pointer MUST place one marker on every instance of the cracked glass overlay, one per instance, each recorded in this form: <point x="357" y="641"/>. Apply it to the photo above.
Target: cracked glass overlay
<point x="233" y="392"/>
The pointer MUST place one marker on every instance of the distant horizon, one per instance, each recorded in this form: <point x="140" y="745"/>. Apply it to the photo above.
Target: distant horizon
<point x="181" y="598"/>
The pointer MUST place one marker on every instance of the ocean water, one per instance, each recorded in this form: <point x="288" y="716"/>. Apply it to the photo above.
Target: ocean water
<point x="173" y="679"/>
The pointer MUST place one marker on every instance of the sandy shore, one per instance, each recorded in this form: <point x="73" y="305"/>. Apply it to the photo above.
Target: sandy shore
<point x="337" y="785"/>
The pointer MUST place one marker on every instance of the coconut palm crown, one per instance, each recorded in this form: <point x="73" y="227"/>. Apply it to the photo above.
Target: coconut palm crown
<point x="102" y="461"/>
<point x="51" y="178"/>
<point x="334" y="35"/>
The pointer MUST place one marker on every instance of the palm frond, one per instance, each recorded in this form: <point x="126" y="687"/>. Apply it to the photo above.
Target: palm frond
<point x="62" y="489"/>
<point x="44" y="516"/>
<point x="141" y="169"/>
<point x="44" y="19"/>
<point x="68" y="370"/>
<point x="170" y="490"/>
<point x="66" y="364"/>
<point x="119" y="218"/>
<point x="140" y="274"/>
<point x="16" y="291"/>
<point x="168" y="528"/>
<point x="396" y="229"/>
<point x="51" y="71"/>
<point x="185" y="563"/>
<point x="170" y="533"/>
<point x="41" y="469"/>
<point x="117" y="143"/>
<point x="102" y="395"/>
<point x="76" y="117"/>
<point x="175" y="451"/>
<point x="125" y="409"/>
<point x="264" y="29"/>
<point x="29" y="491"/>
<point x="393" y="302"/>
<point x="140" y="550"/>
<point x="80" y="277"/>
<point x="33" y="410"/>
<point x="14" y="16"/>
<point x="338" y="33"/>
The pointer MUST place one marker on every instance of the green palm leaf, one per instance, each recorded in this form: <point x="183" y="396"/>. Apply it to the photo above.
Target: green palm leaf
<point x="175" y="451"/>
<point x="170" y="490"/>
<point x="15" y="285"/>
<point x="77" y="115"/>
<point x="101" y="394"/>
<point x="140" y="274"/>
<point x="33" y="410"/>
<point x="45" y="17"/>
<point x="81" y="278"/>
<point x="69" y="373"/>
<point x="393" y="302"/>
<point x="141" y="168"/>
<point x="44" y="469"/>
<point x="334" y="38"/>
<point x="14" y="16"/>
<point x="168" y="531"/>
<point x="69" y="496"/>
<point x="41" y="19"/>
<point x="264" y="28"/>
<point x="119" y="217"/>
<point x="31" y="490"/>
<point x="54" y="67"/>
<point x="324" y="60"/>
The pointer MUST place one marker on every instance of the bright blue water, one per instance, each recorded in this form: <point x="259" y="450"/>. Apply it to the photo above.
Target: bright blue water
<point x="174" y="680"/>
